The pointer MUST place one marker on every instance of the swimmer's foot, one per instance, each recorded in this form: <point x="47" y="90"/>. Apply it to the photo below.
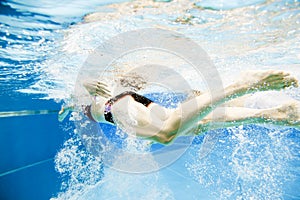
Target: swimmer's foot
<point x="288" y="113"/>
<point x="267" y="80"/>
<point x="62" y="114"/>
<point x="292" y="111"/>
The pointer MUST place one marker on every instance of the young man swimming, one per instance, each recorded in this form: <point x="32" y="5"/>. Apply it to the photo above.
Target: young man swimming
<point x="144" y="118"/>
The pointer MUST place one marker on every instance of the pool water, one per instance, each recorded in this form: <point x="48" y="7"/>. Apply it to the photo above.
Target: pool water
<point x="44" y="44"/>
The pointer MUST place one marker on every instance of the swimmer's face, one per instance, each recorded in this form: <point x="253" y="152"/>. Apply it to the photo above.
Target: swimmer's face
<point x="98" y="108"/>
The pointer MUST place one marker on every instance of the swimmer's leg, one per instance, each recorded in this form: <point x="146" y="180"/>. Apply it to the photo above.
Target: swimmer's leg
<point x="237" y="102"/>
<point x="287" y="114"/>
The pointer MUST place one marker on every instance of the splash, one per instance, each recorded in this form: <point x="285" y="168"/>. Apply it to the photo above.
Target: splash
<point x="79" y="168"/>
<point x="84" y="174"/>
<point x="248" y="162"/>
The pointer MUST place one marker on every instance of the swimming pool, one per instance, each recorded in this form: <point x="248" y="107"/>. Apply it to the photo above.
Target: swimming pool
<point x="44" y="45"/>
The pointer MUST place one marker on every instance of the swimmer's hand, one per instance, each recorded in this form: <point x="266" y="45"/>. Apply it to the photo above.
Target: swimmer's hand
<point x="62" y="114"/>
<point x="98" y="88"/>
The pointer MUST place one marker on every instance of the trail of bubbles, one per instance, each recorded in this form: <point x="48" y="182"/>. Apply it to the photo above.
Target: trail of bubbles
<point x="249" y="163"/>
<point x="79" y="168"/>
<point x="84" y="175"/>
<point x="129" y="186"/>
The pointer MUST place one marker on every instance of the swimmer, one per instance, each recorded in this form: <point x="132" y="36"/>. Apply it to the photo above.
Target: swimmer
<point x="157" y="123"/>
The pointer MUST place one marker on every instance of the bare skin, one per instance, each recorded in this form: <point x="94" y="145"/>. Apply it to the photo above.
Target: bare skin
<point x="163" y="125"/>
<point x="287" y="114"/>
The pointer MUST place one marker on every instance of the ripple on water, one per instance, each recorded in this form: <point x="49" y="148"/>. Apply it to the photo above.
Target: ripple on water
<point x="226" y="5"/>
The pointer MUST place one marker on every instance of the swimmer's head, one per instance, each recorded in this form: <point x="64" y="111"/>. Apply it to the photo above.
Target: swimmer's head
<point x="98" y="109"/>
<point x="100" y="93"/>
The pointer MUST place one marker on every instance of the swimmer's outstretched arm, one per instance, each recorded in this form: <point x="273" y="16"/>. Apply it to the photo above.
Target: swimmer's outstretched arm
<point x="189" y="113"/>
